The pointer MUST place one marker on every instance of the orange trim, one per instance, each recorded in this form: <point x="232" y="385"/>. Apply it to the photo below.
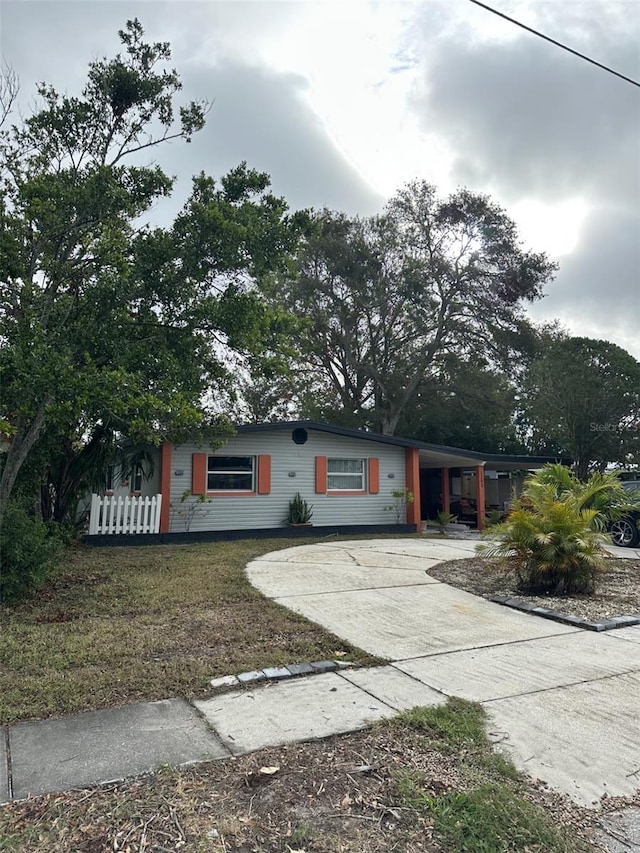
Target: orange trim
<point x="480" y="496"/>
<point x="165" y="485"/>
<point x="264" y="475"/>
<point x="446" y="490"/>
<point x="198" y="473"/>
<point x="412" y="481"/>
<point x="237" y="494"/>
<point x="343" y="493"/>
<point x="321" y="475"/>
<point x="374" y="476"/>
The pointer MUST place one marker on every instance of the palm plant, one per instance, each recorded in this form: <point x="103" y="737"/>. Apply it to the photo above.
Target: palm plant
<point x="554" y="536"/>
<point x="601" y="492"/>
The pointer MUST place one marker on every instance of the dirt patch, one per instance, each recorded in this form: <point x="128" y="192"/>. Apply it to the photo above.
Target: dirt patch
<point x="368" y="792"/>
<point x="617" y="592"/>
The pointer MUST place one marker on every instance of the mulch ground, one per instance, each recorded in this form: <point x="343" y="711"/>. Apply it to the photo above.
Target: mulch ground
<point x="617" y="591"/>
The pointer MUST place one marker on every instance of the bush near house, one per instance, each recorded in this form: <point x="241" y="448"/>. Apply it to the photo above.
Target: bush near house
<point x="28" y="552"/>
<point x="553" y="539"/>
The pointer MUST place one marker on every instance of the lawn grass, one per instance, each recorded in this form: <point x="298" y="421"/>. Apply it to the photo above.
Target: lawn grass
<point x="426" y="781"/>
<point x="490" y="807"/>
<point x="118" y="625"/>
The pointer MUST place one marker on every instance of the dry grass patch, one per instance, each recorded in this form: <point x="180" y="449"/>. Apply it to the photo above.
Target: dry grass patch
<point x="117" y="625"/>
<point x="427" y="781"/>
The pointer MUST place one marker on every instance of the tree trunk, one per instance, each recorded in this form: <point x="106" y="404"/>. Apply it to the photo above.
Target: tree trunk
<point x="19" y="450"/>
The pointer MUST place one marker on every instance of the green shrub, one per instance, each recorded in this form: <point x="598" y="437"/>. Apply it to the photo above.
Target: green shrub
<point x="553" y="538"/>
<point x="300" y="511"/>
<point x="401" y="499"/>
<point x="28" y="552"/>
<point x="444" y="519"/>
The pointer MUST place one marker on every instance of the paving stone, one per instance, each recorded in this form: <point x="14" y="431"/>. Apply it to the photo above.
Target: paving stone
<point x="324" y="665"/>
<point x="300" y="668"/>
<point x="100" y="746"/>
<point x="625" y="620"/>
<point x="524" y="606"/>
<point x="251" y="677"/>
<point x="224" y="681"/>
<point x="568" y="619"/>
<point x="277" y="672"/>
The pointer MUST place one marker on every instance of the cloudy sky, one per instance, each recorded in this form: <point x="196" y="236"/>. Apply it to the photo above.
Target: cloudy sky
<point x="342" y="101"/>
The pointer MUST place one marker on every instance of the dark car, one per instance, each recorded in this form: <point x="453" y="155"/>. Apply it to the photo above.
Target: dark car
<point x="625" y="531"/>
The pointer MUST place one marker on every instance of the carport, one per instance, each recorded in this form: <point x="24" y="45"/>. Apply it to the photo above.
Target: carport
<point x="449" y="479"/>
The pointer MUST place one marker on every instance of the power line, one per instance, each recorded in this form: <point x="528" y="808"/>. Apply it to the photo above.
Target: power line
<point x="557" y="43"/>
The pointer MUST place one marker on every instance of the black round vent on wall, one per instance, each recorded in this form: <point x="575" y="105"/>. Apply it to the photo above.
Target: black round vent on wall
<point x="299" y="436"/>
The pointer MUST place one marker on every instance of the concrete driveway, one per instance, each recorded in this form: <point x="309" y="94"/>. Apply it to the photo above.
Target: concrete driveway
<point x="563" y="701"/>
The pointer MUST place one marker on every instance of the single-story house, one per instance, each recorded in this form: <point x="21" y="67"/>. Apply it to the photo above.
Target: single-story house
<point x="347" y="475"/>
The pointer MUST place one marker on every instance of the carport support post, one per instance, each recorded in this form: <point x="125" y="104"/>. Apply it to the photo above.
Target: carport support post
<point x="165" y="486"/>
<point x="412" y="484"/>
<point x="480" y="496"/>
<point x="446" y="490"/>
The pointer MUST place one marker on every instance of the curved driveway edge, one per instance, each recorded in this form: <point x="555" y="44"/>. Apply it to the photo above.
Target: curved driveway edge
<point x="564" y="702"/>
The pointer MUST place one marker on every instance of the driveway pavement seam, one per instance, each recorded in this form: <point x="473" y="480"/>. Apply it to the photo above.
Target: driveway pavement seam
<point x="431" y="582"/>
<point x="486" y="646"/>
<point x="567" y="686"/>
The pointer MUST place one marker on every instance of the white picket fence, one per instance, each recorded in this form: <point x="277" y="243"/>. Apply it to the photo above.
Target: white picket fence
<point x="124" y="515"/>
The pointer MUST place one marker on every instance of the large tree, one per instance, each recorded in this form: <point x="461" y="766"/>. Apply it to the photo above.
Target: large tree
<point x="582" y="398"/>
<point x="469" y="406"/>
<point x="107" y="325"/>
<point x="384" y="303"/>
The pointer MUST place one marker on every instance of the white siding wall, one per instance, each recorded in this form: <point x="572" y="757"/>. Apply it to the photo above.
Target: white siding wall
<point x="234" y="513"/>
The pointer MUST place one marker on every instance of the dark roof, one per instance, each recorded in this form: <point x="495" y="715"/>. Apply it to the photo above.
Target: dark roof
<point x="473" y="455"/>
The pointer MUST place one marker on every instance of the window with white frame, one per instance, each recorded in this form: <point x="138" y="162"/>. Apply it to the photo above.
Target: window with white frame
<point x="345" y="475"/>
<point x="231" y="473"/>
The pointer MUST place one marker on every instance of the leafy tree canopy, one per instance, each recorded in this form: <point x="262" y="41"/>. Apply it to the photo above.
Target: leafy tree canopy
<point x="385" y="302"/>
<point x="108" y="325"/>
<point x="582" y="397"/>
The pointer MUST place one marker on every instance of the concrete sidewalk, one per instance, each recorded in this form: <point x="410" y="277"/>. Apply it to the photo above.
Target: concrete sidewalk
<point x="50" y="756"/>
<point x="564" y="703"/>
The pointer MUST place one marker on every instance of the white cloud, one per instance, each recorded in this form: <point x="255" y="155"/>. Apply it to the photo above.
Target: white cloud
<point x="341" y="102"/>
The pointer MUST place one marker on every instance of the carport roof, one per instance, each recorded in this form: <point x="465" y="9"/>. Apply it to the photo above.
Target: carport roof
<point x="431" y="455"/>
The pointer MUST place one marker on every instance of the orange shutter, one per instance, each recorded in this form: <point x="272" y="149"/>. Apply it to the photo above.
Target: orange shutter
<point x="321" y="475"/>
<point x="374" y="476"/>
<point x="199" y="474"/>
<point x="264" y="475"/>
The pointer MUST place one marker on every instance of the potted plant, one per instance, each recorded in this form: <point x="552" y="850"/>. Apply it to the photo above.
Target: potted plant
<point x="300" y="512"/>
